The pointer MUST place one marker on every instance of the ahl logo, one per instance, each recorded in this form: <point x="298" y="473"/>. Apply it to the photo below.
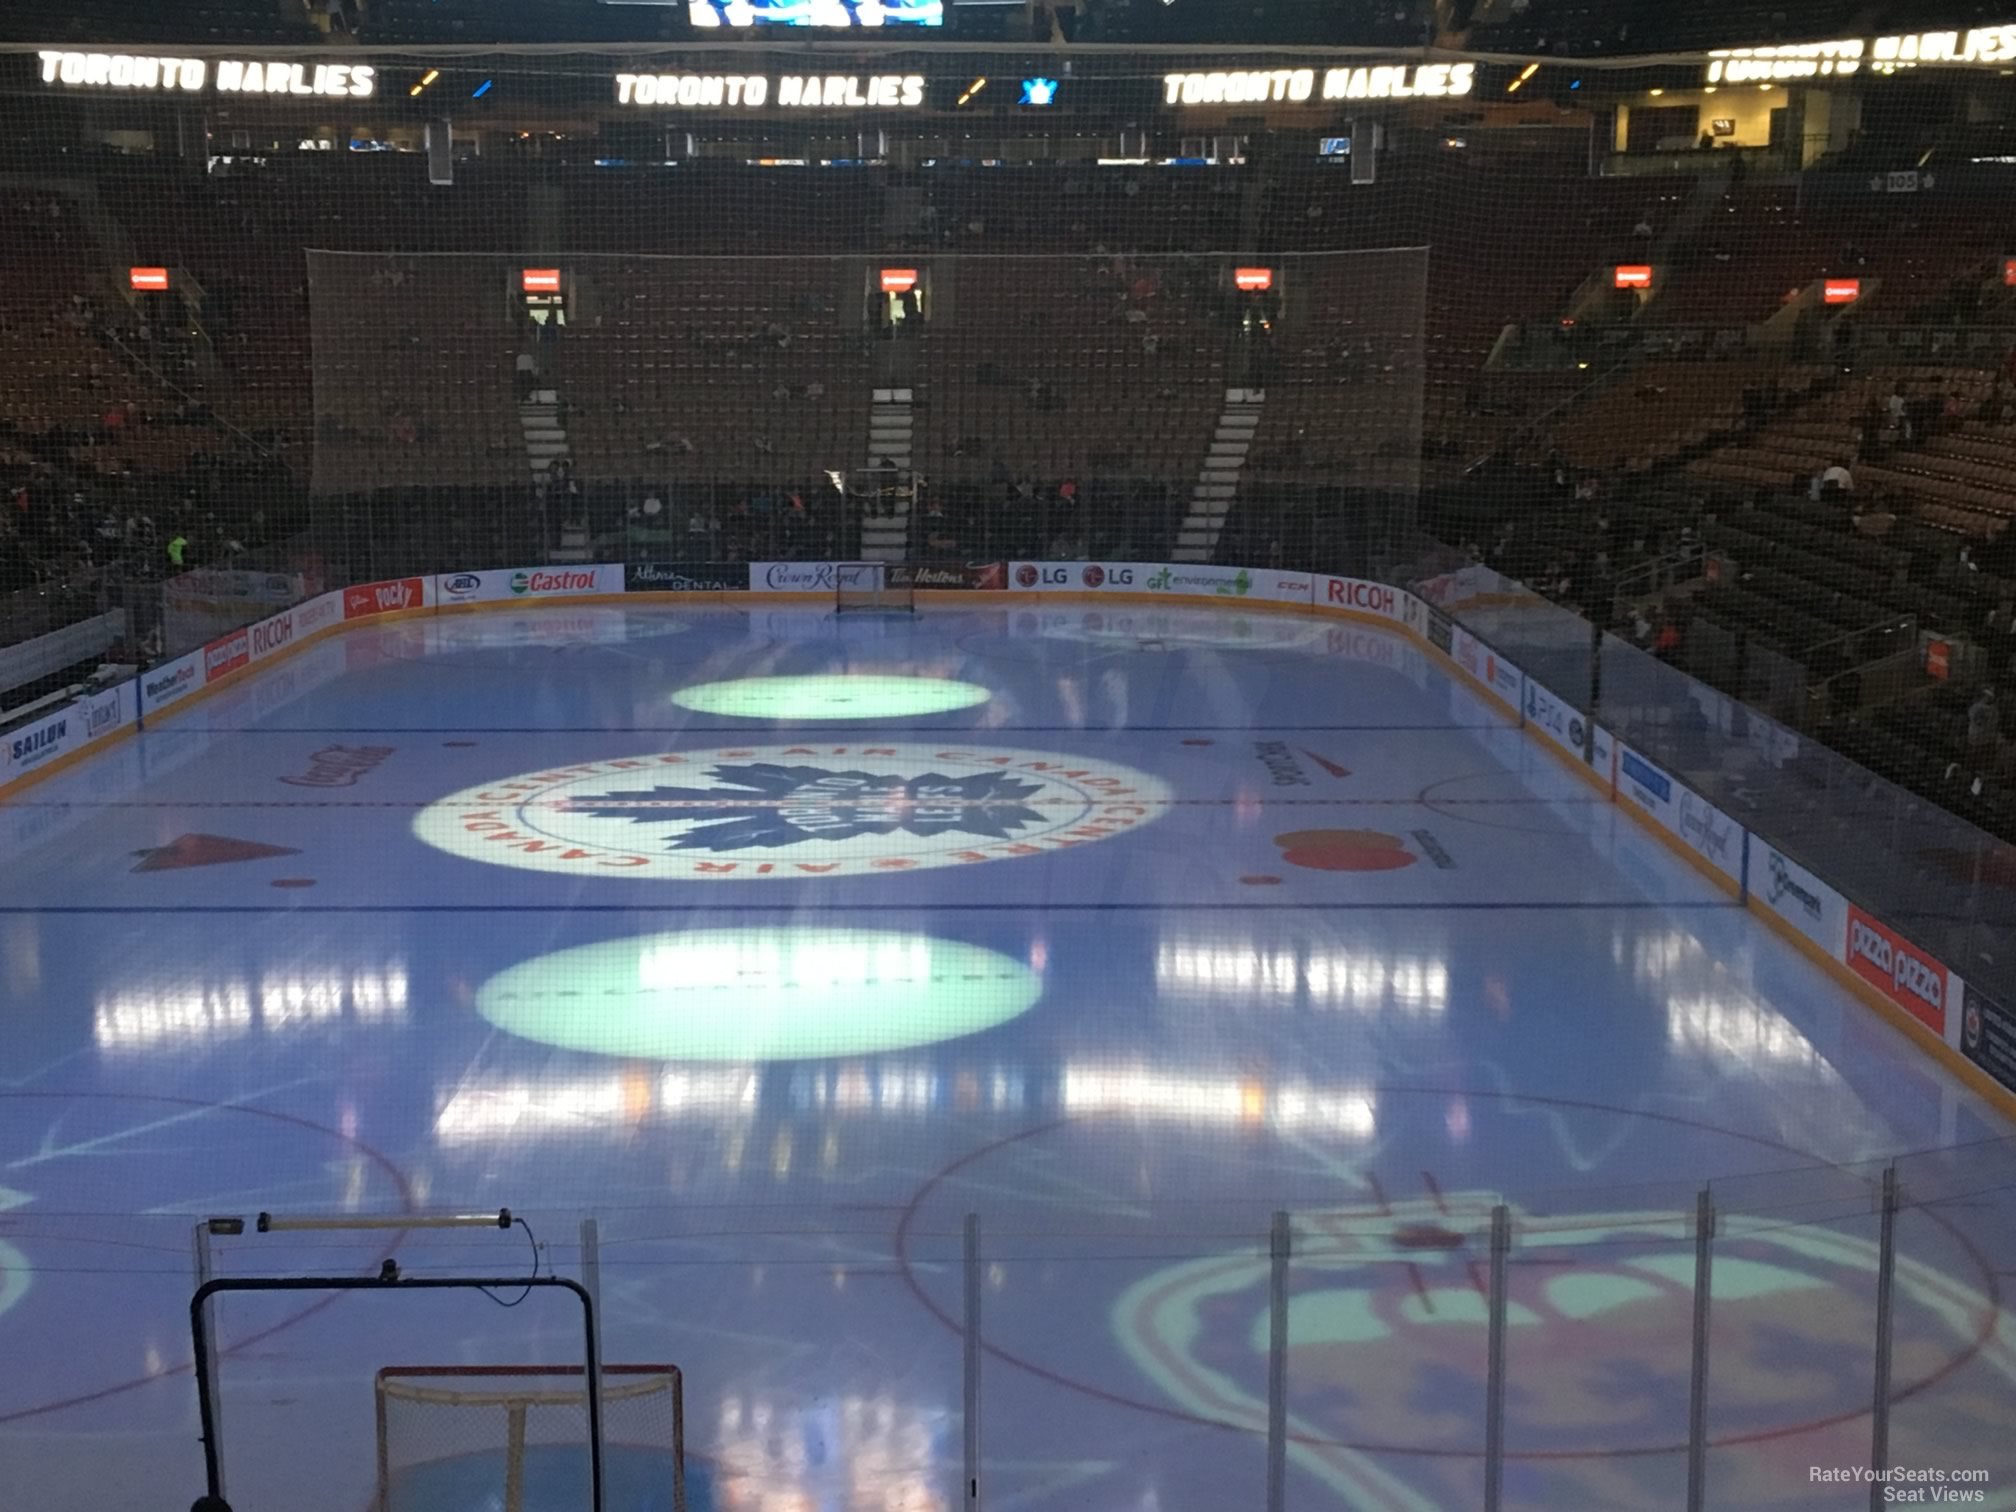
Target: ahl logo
<point x="461" y="582"/>
<point x="793" y="812"/>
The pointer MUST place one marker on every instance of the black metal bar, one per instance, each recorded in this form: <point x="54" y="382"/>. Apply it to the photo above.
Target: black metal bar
<point x="213" y="1469"/>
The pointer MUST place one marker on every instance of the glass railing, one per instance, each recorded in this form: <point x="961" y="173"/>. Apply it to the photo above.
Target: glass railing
<point x="1649" y="1345"/>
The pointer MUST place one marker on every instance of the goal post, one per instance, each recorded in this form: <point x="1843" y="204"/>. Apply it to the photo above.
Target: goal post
<point x="511" y="1437"/>
<point x="889" y="586"/>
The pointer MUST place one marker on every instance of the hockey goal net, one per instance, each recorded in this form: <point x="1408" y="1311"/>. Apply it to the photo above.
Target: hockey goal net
<point x="514" y="1438"/>
<point x="874" y="585"/>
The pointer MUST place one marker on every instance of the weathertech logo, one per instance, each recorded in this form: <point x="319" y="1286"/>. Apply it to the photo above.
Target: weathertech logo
<point x="793" y="812"/>
<point x="1910" y="978"/>
<point x="175" y="682"/>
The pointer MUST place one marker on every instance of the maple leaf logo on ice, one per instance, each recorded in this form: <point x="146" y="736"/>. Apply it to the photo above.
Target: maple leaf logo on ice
<point x="765" y="805"/>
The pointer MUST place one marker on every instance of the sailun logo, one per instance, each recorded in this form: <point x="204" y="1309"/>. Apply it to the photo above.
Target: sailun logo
<point x="30" y="747"/>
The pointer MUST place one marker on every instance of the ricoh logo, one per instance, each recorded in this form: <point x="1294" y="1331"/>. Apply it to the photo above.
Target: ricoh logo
<point x="270" y="635"/>
<point x="1375" y="598"/>
<point x="1905" y="971"/>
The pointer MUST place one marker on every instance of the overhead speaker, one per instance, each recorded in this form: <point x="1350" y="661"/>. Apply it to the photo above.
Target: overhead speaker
<point x="1365" y="152"/>
<point x="440" y="151"/>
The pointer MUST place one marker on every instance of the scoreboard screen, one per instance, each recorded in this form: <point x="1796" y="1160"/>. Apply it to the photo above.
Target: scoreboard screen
<point x="815" y="13"/>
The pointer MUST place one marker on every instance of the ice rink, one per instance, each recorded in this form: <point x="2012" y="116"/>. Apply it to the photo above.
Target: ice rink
<point x="780" y="942"/>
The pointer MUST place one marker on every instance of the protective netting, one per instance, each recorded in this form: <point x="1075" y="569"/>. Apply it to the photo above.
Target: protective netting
<point x="515" y="1438"/>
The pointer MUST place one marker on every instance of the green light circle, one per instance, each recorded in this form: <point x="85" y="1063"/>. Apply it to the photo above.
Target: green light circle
<point x="830" y="696"/>
<point x="788" y="993"/>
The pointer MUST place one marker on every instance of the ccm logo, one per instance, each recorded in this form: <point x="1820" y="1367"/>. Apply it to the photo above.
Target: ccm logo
<point x="1353" y="594"/>
<point x="1905" y="971"/>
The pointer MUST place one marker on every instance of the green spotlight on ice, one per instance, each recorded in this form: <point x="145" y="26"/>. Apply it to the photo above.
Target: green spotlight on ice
<point x="830" y="696"/>
<point x="788" y="993"/>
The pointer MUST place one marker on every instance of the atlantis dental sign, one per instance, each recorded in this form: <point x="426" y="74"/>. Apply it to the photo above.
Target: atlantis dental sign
<point x="1981" y="47"/>
<point x="755" y="91"/>
<point x="1295" y="86"/>
<point x="96" y="70"/>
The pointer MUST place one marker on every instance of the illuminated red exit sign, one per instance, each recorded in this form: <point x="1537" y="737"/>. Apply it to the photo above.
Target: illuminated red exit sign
<point x="148" y="280"/>
<point x="1841" y="290"/>
<point x="1632" y="276"/>
<point x="540" y="280"/>
<point x="898" y="280"/>
<point x="1253" y="280"/>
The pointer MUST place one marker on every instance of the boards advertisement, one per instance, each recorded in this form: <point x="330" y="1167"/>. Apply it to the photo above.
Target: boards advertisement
<point x="1176" y="579"/>
<point x="505" y="584"/>
<point x="1800" y="898"/>
<point x="1681" y="811"/>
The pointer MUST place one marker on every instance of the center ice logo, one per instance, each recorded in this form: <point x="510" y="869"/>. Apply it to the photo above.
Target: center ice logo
<point x="792" y="811"/>
<point x="765" y="806"/>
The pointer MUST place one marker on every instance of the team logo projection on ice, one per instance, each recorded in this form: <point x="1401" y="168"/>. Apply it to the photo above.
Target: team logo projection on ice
<point x="793" y="811"/>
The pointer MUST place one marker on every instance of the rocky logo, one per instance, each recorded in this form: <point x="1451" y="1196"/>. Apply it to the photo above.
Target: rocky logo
<point x="793" y="811"/>
<point x="340" y="766"/>
<point x="368" y="599"/>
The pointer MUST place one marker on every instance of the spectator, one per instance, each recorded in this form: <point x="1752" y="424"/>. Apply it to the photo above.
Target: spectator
<point x="1984" y="725"/>
<point x="527" y="376"/>
<point x="178" y="547"/>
